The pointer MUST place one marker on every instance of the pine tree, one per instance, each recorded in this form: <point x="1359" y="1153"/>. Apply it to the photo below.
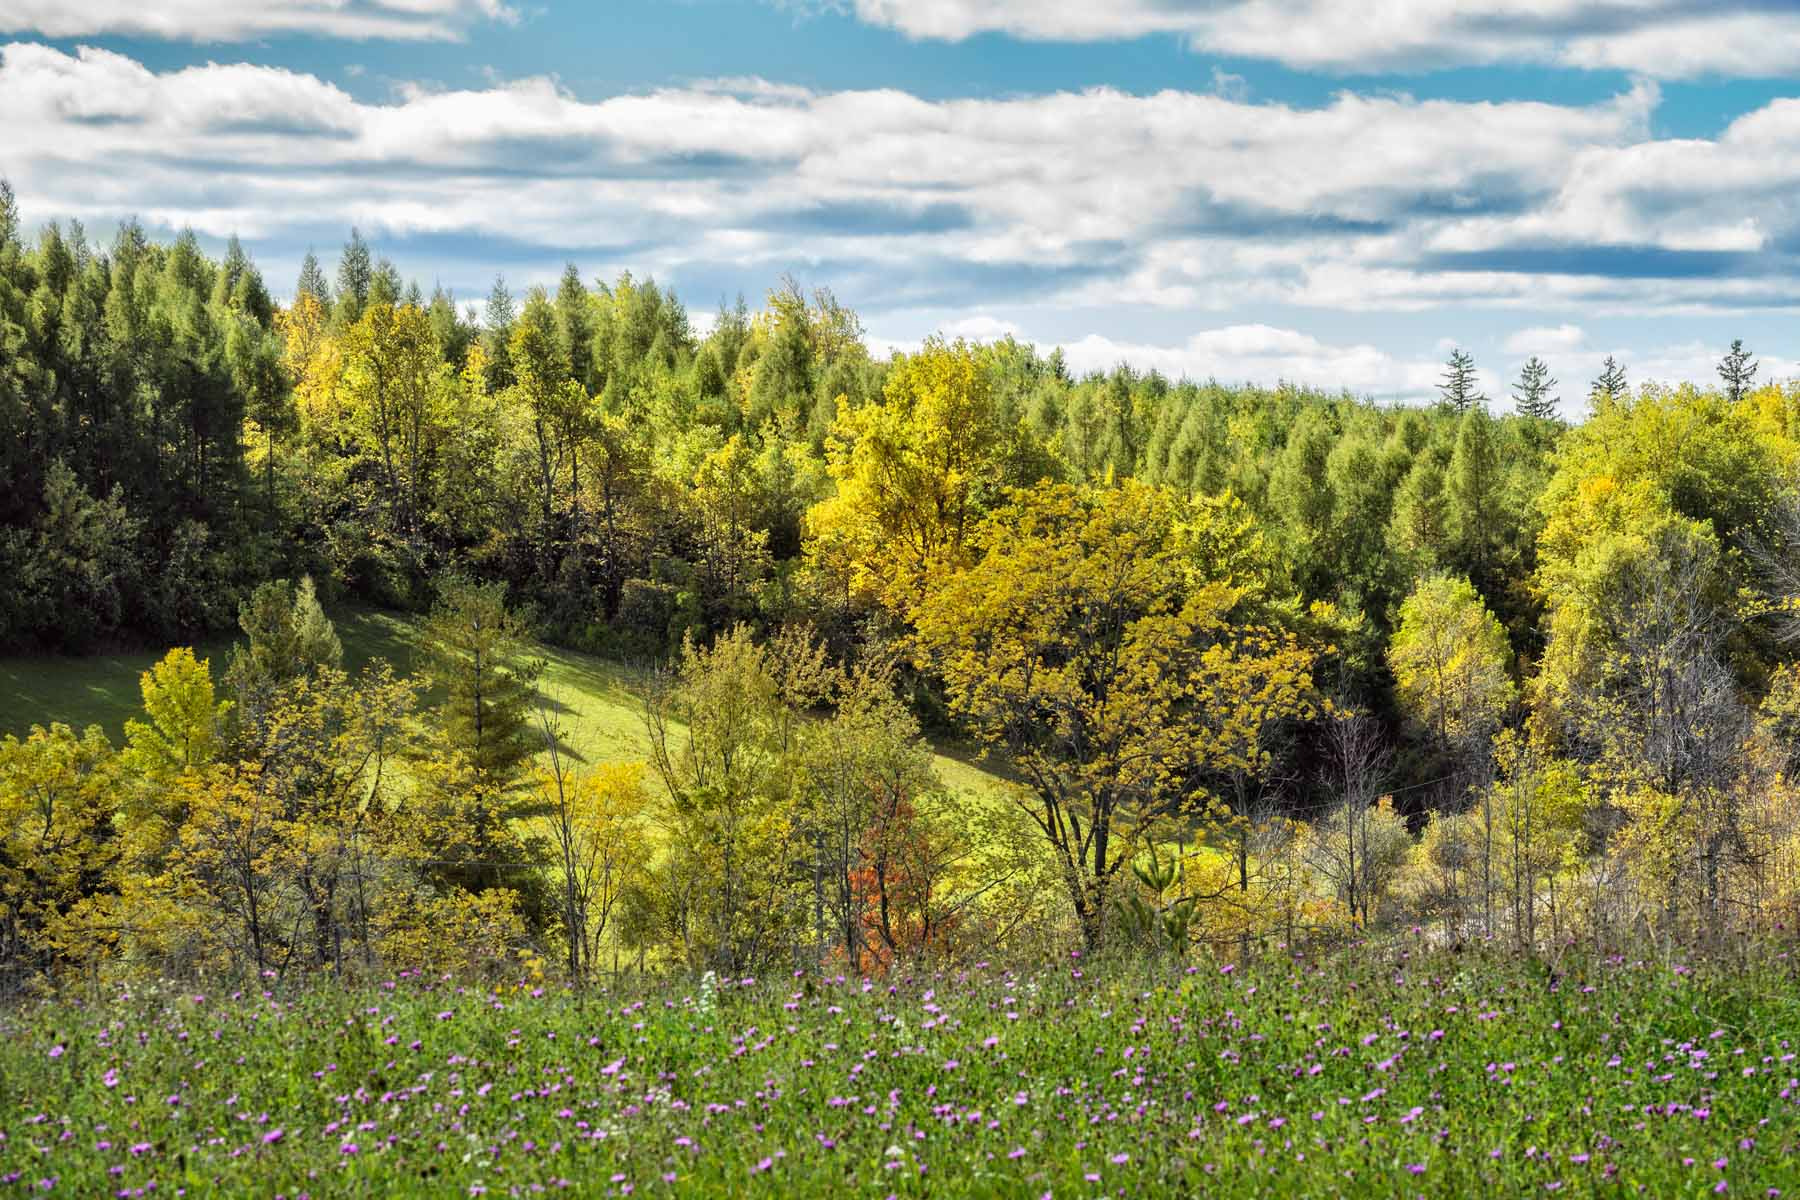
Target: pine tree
<point x="1461" y="390"/>
<point x="1473" y="488"/>
<point x="474" y="655"/>
<point x="287" y="636"/>
<point x="496" y="335"/>
<point x="1738" y="370"/>
<point x="575" y="327"/>
<point x="1610" y="388"/>
<point x="1533" y="396"/>
<point x="356" y="274"/>
<point x="312" y="280"/>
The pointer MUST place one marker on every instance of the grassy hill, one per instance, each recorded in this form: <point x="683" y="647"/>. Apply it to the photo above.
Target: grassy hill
<point x="596" y="700"/>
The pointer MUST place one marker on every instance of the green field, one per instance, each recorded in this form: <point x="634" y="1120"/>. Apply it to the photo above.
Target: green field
<point x="596" y="702"/>
<point x="1391" y="1071"/>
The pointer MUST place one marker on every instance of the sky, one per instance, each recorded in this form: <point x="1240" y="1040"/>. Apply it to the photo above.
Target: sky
<point x="1314" y="191"/>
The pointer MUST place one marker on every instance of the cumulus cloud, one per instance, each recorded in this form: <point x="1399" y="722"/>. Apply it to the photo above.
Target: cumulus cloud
<point x="1080" y="201"/>
<point x="1667" y="39"/>
<point x="243" y="20"/>
<point x="1542" y="340"/>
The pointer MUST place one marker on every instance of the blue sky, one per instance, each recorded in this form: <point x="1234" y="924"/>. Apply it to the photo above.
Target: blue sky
<point x="1252" y="189"/>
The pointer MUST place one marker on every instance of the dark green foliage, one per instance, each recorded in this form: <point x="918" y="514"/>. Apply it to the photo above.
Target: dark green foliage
<point x="1460" y="390"/>
<point x="1535" y="394"/>
<point x="474" y="658"/>
<point x="1610" y="387"/>
<point x="355" y="276"/>
<point x="1738" y="370"/>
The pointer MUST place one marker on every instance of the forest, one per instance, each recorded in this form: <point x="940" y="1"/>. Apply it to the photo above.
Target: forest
<point x="1258" y="666"/>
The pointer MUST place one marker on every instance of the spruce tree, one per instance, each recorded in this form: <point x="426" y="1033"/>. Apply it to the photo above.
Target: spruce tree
<point x="287" y="636"/>
<point x="1610" y="388"/>
<point x="312" y="280"/>
<point x="474" y="653"/>
<point x="1532" y="395"/>
<point x="1460" y="389"/>
<point x="1738" y="370"/>
<point x="356" y="274"/>
<point x="496" y="335"/>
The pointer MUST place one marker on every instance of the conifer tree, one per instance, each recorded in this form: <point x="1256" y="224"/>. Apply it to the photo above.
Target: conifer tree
<point x="1610" y="387"/>
<point x="356" y="275"/>
<point x="1738" y="370"/>
<point x="287" y="636"/>
<point x="1460" y="389"/>
<point x="1533" y="395"/>
<point x="475" y="657"/>
<point x="312" y="280"/>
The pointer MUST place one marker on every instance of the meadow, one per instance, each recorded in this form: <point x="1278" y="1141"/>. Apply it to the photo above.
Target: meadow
<point x="596" y="702"/>
<point x="1378" y="1071"/>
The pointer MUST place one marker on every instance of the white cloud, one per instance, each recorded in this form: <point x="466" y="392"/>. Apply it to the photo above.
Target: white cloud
<point x="1233" y="354"/>
<point x="1667" y="39"/>
<point x="244" y="20"/>
<point x="1076" y="201"/>
<point x="1541" y="340"/>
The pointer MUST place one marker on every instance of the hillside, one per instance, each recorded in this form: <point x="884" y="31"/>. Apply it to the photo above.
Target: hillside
<point x="596" y="701"/>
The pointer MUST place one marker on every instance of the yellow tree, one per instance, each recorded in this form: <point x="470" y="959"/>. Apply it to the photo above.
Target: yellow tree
<point x="393" y="380"/>
<point x="915" y="472"/>
<point x="1449" y="657"/>
<point x="725" y="736"/>
<point x="313" y="359"/>
<point x="1081" y="645"/>
<point x="58" y="844"/>
<point x="597" y="823"/>
<point x="181" y="733"/>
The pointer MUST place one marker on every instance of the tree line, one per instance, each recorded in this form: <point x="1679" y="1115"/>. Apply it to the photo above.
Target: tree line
<point x="1257" y="662"/>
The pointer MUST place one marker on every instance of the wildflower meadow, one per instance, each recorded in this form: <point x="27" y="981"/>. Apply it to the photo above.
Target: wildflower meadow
<point x="1392" y="1071"/>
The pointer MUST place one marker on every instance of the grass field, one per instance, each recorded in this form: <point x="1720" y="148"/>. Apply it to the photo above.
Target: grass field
<point x="1380" y="1072"/>
<point x="596" y="702"/>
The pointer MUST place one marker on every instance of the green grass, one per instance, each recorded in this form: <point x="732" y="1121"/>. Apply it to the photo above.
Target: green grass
<point x="1382" y="1071"/>
<point x="596" y="702"/>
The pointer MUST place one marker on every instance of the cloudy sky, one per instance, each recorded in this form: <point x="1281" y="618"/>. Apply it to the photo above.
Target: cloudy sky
<point x="1312" y="190"/>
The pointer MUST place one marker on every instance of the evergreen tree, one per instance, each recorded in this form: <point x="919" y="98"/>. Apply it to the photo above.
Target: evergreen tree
<point x="1738" y="370"/>
<point x="1533" y="396"/>
<point x="575" y="327"/>
<point x="385" y="286"/>
<point x="312" y="280"/>
<point x="1474" y="487"/>
<point x="356" y="275"/>
<point x="453" y="333"/>
<point x="287" y="636"/>
<point x="1460" y="389"/>
<point x="474" y="656"/>
<point x="496" y="335"/>
<point x="1610" y="388"/>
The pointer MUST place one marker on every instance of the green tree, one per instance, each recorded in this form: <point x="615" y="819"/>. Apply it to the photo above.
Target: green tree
<point x="1449" y="656"/>
<point x="1474" y="488"/>
<point x="1738" y="370"/>
<point x="355" y="276"/>
<point x="287" y="637"/>
<point x="1533" y="392"/>
<point x="1610" y="387"/>
<point x="476" y="658"/>
<point x="1460" y="389"/>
